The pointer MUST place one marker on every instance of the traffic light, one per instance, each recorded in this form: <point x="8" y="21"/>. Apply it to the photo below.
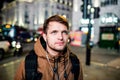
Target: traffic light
<point x="84" y="9"/>
<point x="96" y="12"/>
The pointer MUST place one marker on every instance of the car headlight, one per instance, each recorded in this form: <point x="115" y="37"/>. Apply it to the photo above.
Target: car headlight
<point x="13" y="43"/>
<point x="18" y="45"/>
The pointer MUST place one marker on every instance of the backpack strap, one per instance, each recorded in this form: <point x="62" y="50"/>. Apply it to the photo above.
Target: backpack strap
<point x="31" y="66"/>
<point x="75" y="66"/>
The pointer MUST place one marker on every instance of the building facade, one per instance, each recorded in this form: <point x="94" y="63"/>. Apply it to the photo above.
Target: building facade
<point x="107" y="8"/>
<point x="32" y="13"/>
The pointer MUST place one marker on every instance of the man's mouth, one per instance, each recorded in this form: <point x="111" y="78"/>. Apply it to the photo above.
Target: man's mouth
<point x="60" y="43"/>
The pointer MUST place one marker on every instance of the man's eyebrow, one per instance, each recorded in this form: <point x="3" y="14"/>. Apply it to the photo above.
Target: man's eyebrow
<point x="54" y="31"/>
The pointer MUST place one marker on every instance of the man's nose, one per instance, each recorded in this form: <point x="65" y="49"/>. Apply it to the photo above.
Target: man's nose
<point x="60" y="36"/>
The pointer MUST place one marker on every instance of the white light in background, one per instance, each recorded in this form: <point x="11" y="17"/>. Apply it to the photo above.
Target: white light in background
<point x="92" y="21"/>
<point x="103" y="19"/>
<point x="109" y="20"/>
<point x="89" y="6"/>
<point x="41" y="19"/>
<point x="21" y="23"/>
<point x="64" y="15"/>
<point x="85" y="30"/>
<point x="96" y="3"/>
<point x="35" y="20"/>
<point x="115" y="19"/>
<point x="92" y="10"/>
<point x="26" y="0"/>
<point x="66" y="2"/>
<point x="55" y="0"/>
<point x="12" y="33"/>
<point x="75" y="8"/>
<point x="84" y="21"/>
<point x="60" y="1"/>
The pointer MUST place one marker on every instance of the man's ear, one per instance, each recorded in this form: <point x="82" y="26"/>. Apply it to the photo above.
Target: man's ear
<point x="44" y="36"/>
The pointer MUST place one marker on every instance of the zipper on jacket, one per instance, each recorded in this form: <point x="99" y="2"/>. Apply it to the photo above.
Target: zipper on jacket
<point x="55" y="69"/>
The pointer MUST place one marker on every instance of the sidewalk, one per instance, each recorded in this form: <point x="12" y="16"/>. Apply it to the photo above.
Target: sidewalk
<point x="107" y="57"/>
<point x="105" y="63"/>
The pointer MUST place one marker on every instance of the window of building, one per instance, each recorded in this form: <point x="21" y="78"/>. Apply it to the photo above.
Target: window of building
<point x="109" y="2"/>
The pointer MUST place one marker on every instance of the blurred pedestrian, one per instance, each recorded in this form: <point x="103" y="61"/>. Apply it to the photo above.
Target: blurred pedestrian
<point x="55" y="61"/>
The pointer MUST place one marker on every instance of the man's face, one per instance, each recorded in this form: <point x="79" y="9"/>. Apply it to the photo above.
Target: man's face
<point x="56" y="37"/>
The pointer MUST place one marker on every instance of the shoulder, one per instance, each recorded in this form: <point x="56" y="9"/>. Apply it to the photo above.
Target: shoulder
<point x="20" y="72"/>
<point x="74" y="59"/>
<point x="30" y="56"/>
<point x="72" y="55"/>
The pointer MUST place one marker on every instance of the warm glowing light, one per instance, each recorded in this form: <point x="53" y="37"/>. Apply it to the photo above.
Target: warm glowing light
<point x="118" y="28"/>
<point x="7" y="26"/>
<point x="0" y="30"/>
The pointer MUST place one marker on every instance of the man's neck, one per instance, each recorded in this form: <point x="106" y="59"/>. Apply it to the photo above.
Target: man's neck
<point x="54" y="53"/>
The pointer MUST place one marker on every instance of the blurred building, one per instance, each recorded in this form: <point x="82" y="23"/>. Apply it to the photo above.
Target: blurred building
<point x="32" y="13"/>
<point x="109" y="15"/>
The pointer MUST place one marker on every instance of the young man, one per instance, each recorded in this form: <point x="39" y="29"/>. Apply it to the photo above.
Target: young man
<point x="54" y="59"/>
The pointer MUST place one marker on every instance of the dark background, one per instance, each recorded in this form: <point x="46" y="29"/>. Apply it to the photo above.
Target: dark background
<point x="2" y="1"/>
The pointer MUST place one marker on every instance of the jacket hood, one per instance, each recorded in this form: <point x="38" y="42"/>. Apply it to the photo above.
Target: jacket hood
<point x="40" y="50"/>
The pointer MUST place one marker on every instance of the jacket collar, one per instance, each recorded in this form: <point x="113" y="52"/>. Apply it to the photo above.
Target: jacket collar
<point x="40" y="46"/>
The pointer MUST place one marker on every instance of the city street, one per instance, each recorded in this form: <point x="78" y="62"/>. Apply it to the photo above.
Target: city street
<point x="89" y="22"/>
<point x="104" y="64"/>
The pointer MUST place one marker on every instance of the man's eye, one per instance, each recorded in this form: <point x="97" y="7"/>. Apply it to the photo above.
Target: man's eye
<point x="54" y="32"/>
<point x="65" y="32"/>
